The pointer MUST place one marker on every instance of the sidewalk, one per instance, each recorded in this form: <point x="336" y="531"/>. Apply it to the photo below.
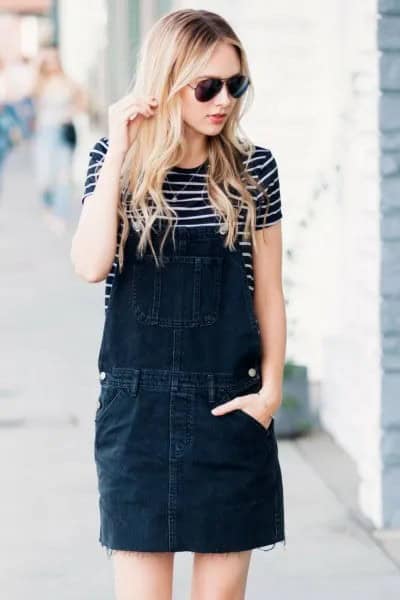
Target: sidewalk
<point x="50" y="327"/>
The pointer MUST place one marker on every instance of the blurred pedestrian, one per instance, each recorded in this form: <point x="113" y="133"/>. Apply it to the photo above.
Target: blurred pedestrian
<point x="2" y="80"/>
<point x="56" y="100"/>
<point x="19" y="76"/>
<point x="10" y="131"/>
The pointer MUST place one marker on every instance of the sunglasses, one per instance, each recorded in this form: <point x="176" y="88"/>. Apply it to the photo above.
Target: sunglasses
<point x="206" y="89"/>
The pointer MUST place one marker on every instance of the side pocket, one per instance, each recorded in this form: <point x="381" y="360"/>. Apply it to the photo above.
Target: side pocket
<point x="251" y="386"/>
<point x="253" y="421"/>
<point x="108" y="397"/>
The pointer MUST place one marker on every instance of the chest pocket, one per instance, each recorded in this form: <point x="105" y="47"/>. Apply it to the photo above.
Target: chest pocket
<point x="184" y="292"/>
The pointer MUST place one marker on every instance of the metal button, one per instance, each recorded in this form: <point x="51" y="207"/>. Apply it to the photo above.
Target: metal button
<point x="102" y="375"/>
<point x="252" y="372"/>
<point x="223" y="228"/>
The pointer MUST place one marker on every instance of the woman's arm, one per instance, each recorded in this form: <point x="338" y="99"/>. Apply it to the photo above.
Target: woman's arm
<point x="94" y="244"/>
<point x="95" y="240"/>
<point x="269" y="306"/>
<point x="269" y="302"/>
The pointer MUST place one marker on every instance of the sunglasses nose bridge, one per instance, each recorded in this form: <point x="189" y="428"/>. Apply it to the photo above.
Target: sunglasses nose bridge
<point x="223" y="95"/>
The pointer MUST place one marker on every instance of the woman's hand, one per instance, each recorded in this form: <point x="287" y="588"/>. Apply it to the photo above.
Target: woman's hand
<point x="124" y="119"/>
<point x="261" y="406"/>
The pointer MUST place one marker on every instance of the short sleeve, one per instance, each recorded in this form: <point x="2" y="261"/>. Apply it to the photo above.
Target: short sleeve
<point x="268" y="177"/>
<point x="96" y="159"/>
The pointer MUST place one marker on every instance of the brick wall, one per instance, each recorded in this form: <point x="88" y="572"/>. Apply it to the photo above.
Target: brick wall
<point x="389" y="123"/>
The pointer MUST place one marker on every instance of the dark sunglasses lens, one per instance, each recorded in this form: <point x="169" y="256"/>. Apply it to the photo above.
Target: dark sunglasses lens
<point x="207" y="89"/>
<point x="237" y="85"/>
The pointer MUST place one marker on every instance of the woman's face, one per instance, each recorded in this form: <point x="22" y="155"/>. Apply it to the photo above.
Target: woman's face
<point x="224" y="63"/>
<point x="51" y="61"/>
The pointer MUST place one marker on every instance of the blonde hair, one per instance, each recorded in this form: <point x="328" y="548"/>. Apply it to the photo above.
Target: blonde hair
<point x="174" y="52"/>
<point x="42" y="75"/>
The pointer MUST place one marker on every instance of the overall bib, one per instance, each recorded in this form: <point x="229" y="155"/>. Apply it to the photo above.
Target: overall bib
<point x="178" y="340"/>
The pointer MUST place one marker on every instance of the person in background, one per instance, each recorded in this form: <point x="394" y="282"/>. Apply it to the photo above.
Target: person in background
<point x="10" y="130"/>
<point x="3" y="142"/>
<point x="3" y="85"/>
<point x="56" y="100"/>
<point x="19" y="80"/>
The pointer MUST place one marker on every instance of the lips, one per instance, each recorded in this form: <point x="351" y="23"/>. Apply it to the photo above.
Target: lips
<point x="217" y="118"/>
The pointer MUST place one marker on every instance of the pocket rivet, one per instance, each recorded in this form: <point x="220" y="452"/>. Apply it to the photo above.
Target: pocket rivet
<point x="102" y="375"/>
<point x="252" y="372"/>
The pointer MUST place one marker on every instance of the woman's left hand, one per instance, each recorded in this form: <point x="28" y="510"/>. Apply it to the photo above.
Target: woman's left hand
<point x="261" y="405"/>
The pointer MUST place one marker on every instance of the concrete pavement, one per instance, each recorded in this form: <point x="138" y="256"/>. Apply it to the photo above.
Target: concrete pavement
<point x="50" y="326"/>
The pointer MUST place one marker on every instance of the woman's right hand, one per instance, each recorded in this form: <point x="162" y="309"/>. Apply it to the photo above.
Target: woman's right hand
<point x="124" y="119"/>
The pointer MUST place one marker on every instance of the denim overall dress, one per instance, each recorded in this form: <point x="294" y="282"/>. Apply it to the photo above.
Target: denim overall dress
<point x="178" y="340"/>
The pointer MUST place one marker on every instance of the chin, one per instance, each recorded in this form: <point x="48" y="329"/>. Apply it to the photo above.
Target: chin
<point x="213" y="129"/>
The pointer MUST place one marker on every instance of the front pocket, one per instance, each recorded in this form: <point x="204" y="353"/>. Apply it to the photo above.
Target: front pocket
<point x="184" y="292"/>
<point x="255" y="423"/>
<point x="108" y="397"/>
<point x="249" y="385"/>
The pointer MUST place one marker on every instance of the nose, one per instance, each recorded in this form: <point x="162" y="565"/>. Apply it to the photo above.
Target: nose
<point x="223" y="98"/>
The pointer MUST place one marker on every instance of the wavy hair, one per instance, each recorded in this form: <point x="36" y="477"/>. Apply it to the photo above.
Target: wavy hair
<point x="174" y="52"/>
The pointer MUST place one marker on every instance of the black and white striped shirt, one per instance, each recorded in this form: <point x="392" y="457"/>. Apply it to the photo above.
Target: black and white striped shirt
<point x="192" y="207"/>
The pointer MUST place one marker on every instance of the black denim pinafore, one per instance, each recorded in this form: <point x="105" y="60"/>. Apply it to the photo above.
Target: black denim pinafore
<point x="178" y="340"/>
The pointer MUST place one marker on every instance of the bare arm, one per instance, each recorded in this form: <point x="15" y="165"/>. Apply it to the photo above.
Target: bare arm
<point x="269" y="301"/>
<point x="269" y="305"/>
<point x="95" y="240"/>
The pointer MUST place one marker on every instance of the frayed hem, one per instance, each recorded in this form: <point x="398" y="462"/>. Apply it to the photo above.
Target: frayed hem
<point x="272" y="546"/>
<point x="109" y="551"/>
<point x="112" y="551"/>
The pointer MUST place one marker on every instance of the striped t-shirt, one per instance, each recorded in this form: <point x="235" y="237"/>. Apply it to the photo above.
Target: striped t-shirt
<point x="192" y="206"/>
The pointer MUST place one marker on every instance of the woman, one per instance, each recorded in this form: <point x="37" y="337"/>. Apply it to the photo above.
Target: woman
<point x="56" y="100"/>
<point x="192" y="353"/>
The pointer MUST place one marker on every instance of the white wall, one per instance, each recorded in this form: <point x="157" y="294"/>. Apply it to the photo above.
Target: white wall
<point x="82" y="36"/>
<point x="83" y="44"/>
<point x="351" y="373"/>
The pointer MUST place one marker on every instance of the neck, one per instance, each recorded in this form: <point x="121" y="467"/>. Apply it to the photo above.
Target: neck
<point x="197" y="151"/>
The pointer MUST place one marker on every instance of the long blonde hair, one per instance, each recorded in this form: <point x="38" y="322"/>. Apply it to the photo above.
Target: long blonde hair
<point x="174" y="52"/>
